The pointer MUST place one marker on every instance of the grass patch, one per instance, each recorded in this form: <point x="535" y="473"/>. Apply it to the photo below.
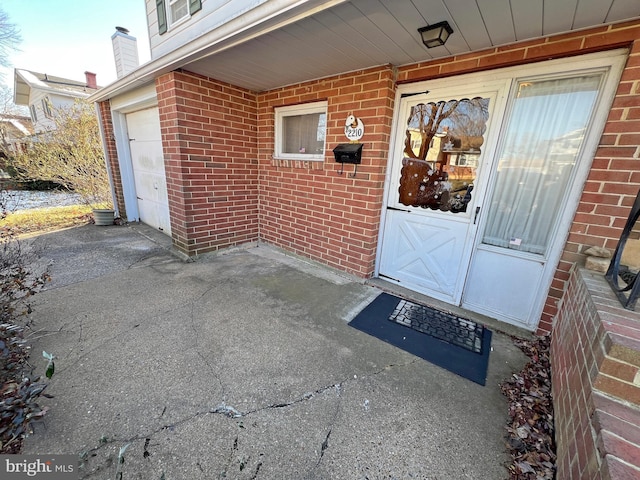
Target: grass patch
<point x="46" y="219"/>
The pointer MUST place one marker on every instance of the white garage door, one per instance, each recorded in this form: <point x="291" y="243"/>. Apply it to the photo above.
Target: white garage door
<point x="147" y="160"/>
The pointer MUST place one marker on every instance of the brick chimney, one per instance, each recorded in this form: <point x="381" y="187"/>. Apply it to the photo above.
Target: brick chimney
<point x="91" y="80"/>
<point x="125" y="52"/>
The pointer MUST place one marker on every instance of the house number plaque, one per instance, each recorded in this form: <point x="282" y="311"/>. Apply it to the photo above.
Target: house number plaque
<point x="353" y="128"/>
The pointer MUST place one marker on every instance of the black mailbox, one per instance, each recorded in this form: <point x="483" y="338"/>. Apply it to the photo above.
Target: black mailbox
<point x="348" y="153"/>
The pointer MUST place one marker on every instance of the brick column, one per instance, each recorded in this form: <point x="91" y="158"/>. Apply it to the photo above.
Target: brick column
<point x="210" y="149"/>
<point x="109" y="143"/>
<point x="595" y="360"/>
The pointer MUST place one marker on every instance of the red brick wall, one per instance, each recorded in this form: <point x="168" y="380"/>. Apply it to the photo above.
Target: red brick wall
<point x="210" y="149"/>
<point x="109" y="143"/>
<point x="226" y="188"/>
<point x="615" y="176"/>
<point x="595" y="360"/>
<point x="307" y="207"/>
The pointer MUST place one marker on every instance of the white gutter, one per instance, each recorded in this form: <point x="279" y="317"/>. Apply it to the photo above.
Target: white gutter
<point x="231" y="34"/>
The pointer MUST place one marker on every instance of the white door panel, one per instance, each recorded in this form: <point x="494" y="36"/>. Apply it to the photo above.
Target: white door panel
<point x="424" y="253"/>
<point x="439" y="174"/>
<point x="147" y="159"/>
<point x="504" y="287"/>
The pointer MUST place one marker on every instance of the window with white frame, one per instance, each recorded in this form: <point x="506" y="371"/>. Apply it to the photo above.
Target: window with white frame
<point x="171" y="12"/>
<point x="300" y="131"/>
<point x="178" y="9"/>
<point x="34" y="114"/>
<point x="46" y="107"/>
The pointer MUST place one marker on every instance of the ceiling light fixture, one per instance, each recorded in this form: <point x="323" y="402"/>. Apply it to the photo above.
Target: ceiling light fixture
<point x="435" y="35"/>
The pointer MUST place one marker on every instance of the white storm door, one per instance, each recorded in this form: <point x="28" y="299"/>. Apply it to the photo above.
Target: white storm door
<point x="535" y="192"/>
<point x="145" y="141"/>
<point x="438" y="176"/>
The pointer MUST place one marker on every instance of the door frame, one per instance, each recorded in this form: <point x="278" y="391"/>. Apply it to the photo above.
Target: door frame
<point x="613" y="60"/>
<point x="139" y="99"/>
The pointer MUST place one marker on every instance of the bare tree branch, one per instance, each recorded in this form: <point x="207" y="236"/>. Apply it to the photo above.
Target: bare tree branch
<point x="9" y="38"/>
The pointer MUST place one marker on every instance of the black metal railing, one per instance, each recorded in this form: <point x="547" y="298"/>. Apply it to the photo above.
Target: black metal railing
<point x="624" y="278"/>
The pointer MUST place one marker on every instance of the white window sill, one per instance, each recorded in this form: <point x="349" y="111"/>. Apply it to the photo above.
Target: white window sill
<point x="298" y="158"/>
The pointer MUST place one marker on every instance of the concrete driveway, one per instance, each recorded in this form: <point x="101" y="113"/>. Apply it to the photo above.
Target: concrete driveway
<point x="242" y="366"/>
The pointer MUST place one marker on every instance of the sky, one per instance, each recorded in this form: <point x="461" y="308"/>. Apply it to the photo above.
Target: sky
<point x="65" y="38"/>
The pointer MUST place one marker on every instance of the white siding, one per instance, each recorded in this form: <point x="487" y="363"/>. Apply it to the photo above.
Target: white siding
<point x="138" y="99"/>
<point x="57" y="102"/>
<point x="214" y="14"/>
<point x="43" y="122"/>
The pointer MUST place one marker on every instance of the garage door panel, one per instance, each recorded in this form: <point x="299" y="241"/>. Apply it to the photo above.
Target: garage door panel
<point x="147" y="160"/>
<point x="149" y="157"/>
<point x="145" y="128"/>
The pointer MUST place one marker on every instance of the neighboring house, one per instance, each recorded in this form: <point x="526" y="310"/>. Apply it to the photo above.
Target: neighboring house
<point x="14" y="129"/>
<point x="43" y="94"/>
<point x="226" y="137"/>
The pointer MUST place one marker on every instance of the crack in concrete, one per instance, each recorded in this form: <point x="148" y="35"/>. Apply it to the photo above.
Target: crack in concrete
<point x="258" y="467"/>
<point x="212" y="369"/>
<point x="325" y="444"/>
<point x="324" y="447"/>
<point x="97" y="347"/>
<point x="107" y="341"/>
<point x="231" y="412"/>
<point x="243" y="461"/>
<point x="234" y="450"/>
<point x="146" y="453"/>
<point x="153" y="253"/>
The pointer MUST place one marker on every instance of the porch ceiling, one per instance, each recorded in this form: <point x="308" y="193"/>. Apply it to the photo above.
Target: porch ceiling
<point x="363" y="33"/>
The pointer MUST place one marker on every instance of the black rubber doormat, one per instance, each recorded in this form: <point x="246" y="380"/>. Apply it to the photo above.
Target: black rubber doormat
<point x="455" y="344"/>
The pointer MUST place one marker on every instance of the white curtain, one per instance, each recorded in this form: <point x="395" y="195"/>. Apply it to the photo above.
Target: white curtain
<point x="544" y="134"/>
<point x="304" y="133"/>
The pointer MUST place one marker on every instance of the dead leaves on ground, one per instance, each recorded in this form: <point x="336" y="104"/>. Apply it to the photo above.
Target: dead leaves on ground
<point x="531" y="432"/>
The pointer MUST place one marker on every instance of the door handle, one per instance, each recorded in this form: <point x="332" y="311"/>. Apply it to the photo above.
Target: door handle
<point x="475" y="217"/>
<point x="399" y="209"/>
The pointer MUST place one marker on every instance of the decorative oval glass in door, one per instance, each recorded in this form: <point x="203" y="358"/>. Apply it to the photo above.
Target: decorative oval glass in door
<point x="442" y="146"/>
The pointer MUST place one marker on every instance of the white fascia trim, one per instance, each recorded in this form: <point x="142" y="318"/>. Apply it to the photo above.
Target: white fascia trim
<point x="232" y="33"/>
<point x="30" y="79"/>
